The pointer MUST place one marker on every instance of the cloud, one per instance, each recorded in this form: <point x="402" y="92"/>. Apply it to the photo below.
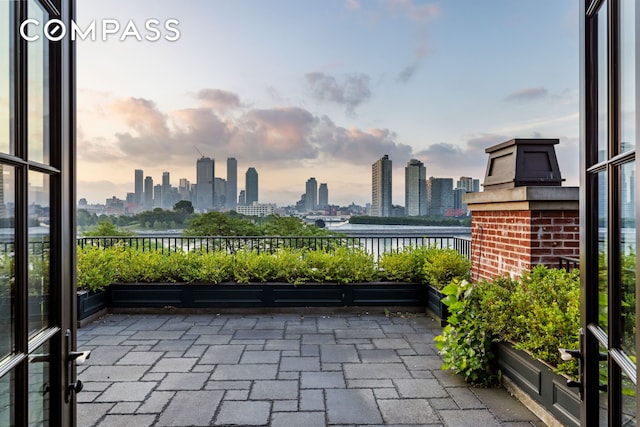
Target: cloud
<point x="141" y="115"/>
<point x="470" y="159"/>
<point x="217" y="99"/>
<point x="356" y="145"/>
<point x="279" y="136"/>
<point x="406" y="74"/>
<point x="352" y="4"/>
<point x="419" y="15"/>
<point x="351" y="90"/>
<point x="528" y="94"/>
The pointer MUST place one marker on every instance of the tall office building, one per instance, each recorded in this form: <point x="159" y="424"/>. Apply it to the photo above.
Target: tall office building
<point x="166" y="191"/>
<point x="311" y="192"/>
<point x="469" y="184"/>
<point x="381" y="187"/>
<point x="205" y="169"/>
<point x="251" y="186"/>
<point x="219" y="193"/>
<point x="323" y="196"/>
<point x="157" y="196"/>
<point x="148" y="193"/>
<point x="138" y="187"/>
<point x="242" y="198"/>
<point x="184" y="189"/>
<point x="439" y="195"/>
<point x="232" y="183"/>
<point x="415" y="188"/>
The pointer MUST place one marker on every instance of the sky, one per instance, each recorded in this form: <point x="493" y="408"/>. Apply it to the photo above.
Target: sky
<point x="321" y="88"/>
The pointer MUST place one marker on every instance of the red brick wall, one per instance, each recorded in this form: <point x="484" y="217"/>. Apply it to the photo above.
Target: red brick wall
<point x="513" y="241"/>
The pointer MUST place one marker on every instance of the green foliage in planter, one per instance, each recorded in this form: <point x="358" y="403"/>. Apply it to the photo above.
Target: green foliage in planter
<point x="340" y="266"/>
<point x="213" y="267"/>
<point x="544" y="307"/>
<point x="442" y="265"/>
<point x="538" y="313"/>
<point x="405" y="266"/>
<point x="465" y="343"/>
<point x="94" y="268"/>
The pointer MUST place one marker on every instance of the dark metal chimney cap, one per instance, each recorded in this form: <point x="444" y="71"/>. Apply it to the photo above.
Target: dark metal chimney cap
<point x="522" y="162"/>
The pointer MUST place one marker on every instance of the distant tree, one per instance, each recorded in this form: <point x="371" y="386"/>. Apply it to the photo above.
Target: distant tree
<point x="290" y="226"/>
<point x="220" y="224"/>
<point x="183" y="206"/>
<point x="106" y="228"/>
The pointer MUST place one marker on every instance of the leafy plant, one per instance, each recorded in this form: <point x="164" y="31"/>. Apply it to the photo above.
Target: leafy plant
<point x="442" y="265"/>
<point x="465" y="343"/>
<point x="405" y="265"/>
<point x="95" y="268"/>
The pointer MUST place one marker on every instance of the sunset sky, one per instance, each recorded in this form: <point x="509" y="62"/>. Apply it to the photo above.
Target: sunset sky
<point x="323" y="88"/>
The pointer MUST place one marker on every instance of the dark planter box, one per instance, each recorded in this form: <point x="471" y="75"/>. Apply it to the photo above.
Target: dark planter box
<point x="139" y="295"/>
<point x="435" y="305"/>
<point x="90" y="303"/>
<point x="543" y="385"/>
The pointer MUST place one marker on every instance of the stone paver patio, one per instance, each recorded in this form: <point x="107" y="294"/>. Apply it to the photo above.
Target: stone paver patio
<point x="278" y="370"/>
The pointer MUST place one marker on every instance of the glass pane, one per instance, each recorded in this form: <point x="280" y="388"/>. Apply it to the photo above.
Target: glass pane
<point x="6" y="400"/>
<point x="603" y="91"/>
<point x="603" y="369"/>
<point x="603" y="257"/>
<point x="39" y="235"/>
<point x="628" y="256"/>
<point x="6" y="87"/>
<point x="38" y="87"/>
<point x="627" y="75"/>
<point x="7" y="260"/>
<point x="628" y="402"/>
<point x="39" y="387"/>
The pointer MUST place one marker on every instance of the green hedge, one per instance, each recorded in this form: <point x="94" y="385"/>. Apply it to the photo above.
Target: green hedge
<point x="99" y="267"/>
<point x="538" y="313"/>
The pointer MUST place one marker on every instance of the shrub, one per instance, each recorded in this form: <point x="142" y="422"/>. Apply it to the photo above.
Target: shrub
<point x="465" y="343"/>
<point x="405" y="266"/>
<point x="95" y="268"/>
<point x="538" y="313"/>
<point x="442" y="265"/>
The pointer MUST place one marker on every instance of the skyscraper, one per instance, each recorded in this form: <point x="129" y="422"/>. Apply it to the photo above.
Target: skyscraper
<point x="148" y="193"/>
<point x="138" y="173"/>
<point x="323" y="196"/>
<point x="157" y="196"/>
<point x="242" y="198"/>
<point x="219" y="193"/>
<point x="415" y="188"/>
<point x="381" y="187"/>
<point x="166" y="191"/>
<point x="311" y="192"/>
<point x="469" y="184"/>
<point x="251" y="186"/>
<point x="204" y="183"/>
<point x="439" y="195"/>
<point x="232" y="183"/>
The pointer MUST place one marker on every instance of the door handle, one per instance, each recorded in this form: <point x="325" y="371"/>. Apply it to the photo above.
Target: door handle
<point x="74" y="358"/>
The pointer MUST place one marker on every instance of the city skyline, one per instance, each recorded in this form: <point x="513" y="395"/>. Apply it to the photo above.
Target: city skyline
<point x="326" y="86"/>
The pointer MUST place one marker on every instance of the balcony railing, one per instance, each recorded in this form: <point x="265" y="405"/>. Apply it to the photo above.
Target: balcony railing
<point x="375" y="245"/>
<point x="568" y="263"/>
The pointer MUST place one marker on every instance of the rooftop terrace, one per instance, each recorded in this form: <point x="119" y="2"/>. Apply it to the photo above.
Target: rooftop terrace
<point x="278" y="370"/>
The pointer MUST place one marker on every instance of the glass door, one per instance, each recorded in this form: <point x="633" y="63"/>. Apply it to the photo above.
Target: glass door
<point x="608" y="212"/>
<point x="37" y="295"/>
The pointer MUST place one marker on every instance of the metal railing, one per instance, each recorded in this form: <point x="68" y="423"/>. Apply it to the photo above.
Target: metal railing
<point x="568" y="263"/>
<point x="375" y="245"/>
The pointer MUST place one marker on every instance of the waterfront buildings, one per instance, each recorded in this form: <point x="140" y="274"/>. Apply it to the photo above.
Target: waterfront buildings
<point x="231" y="195"/>
<point x="251" y="186"/>
<point x="205" y="169"/>
<point x="381" y="173"/>
<point x="415" y="188"/>
<point x="323" y="196"/>
<point x="439" y="196"/>
<point x="138" y="186"/>
<point x="311" y="195"/>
